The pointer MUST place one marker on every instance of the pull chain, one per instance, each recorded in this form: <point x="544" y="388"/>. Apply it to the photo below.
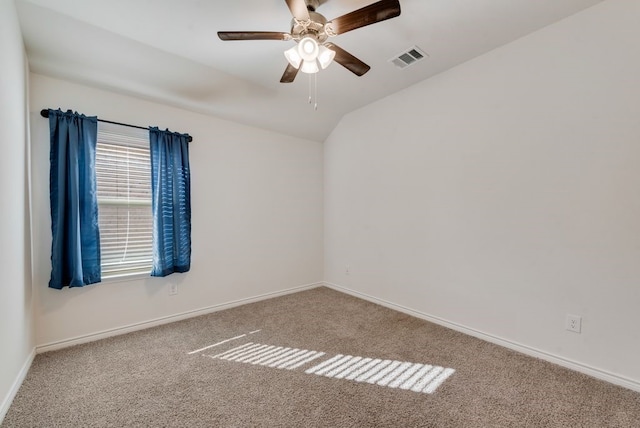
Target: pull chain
<point x="315" y="91"/>
<point x="313" y="97"/>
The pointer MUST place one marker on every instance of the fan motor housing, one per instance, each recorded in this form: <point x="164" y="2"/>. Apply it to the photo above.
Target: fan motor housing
<point x="313" y="28"/>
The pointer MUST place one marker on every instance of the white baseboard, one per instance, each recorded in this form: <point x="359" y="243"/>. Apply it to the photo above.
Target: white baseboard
<point x="8" y="399"/>
<point x="524" y="349"/>
<point x="168" y="319"/>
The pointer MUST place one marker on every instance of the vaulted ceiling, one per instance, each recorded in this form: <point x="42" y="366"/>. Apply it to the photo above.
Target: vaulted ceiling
<point x="168" y="51"/>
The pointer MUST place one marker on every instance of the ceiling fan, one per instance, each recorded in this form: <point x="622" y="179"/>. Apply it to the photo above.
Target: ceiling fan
<point x="310" y="30"/>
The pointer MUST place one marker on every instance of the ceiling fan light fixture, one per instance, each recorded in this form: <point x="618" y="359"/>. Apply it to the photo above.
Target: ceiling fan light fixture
<point x="309" y="67"/>
<point x="308" y="48"/>
<point x="308" y="56"/>
<point x="325" y="57"/>
<point x="293" y="56"/>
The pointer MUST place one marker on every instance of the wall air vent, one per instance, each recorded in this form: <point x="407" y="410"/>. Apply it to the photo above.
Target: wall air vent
<point x="409" y="57"/>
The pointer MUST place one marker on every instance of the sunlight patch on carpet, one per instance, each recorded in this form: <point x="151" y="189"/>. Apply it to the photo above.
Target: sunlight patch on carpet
<point x="278" y="357"/>
<point x="393" y="374"/>
<point x="403" y="375"/>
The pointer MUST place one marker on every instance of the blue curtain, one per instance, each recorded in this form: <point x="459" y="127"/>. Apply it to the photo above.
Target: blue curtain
<point x="75" y="249"/>
<point x="171" y="202"/>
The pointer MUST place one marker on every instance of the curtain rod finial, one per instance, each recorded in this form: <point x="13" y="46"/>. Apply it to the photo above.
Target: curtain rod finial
<point x="44" y="112"/>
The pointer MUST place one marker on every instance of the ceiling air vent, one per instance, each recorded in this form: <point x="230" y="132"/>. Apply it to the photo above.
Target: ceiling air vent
<point x="409" y="57"/>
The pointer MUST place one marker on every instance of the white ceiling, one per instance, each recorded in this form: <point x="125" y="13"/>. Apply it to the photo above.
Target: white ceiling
<point x="168" y="51"/>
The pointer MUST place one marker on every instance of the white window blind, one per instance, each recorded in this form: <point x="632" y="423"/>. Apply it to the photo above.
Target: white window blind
<point x="123" y="173"/>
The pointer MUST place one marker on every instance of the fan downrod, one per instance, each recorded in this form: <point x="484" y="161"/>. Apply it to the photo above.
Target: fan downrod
<point x="312" y="5"/>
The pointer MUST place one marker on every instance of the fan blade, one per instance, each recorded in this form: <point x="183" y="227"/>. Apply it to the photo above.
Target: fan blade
<point x="298" y="9"/>
<point x="347" y="60"/>
<point x="376" y="12"/>
<point x="253" y="35"/>
<point x="289" y="74"/>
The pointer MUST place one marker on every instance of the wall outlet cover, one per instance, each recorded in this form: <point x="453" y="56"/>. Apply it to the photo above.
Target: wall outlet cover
<point x="173" y="289"/>
<point x="574" y="323"/>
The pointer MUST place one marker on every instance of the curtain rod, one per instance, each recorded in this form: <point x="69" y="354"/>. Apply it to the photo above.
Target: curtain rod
<point x="45" y="113"/>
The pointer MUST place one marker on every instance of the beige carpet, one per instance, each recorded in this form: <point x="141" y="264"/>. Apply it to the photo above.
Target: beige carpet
<point x="368" y="366"/>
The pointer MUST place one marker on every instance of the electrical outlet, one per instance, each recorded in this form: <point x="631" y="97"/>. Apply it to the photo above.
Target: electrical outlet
<point x="574" y="323"/>
<point x="173" y="289"/>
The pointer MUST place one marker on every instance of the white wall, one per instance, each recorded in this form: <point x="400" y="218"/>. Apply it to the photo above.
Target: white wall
<point x="16" y="333"/>
<point x="505" y="193"/>
<point x="257" y="222"/>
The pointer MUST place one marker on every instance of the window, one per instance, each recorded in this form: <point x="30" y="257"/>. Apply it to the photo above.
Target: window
<point x="123" y="173"/>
